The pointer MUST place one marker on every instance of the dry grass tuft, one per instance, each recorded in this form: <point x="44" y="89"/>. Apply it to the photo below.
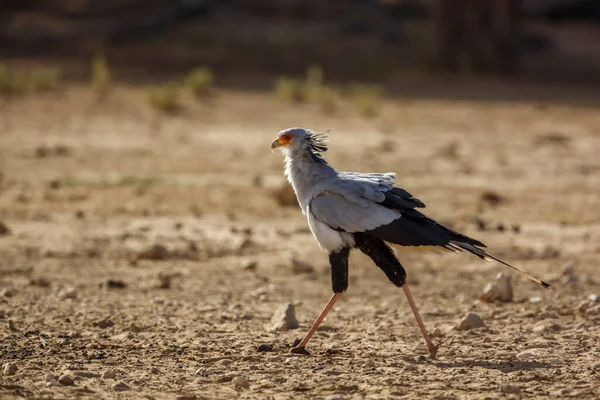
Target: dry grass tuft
<point x="28" y="82"/>
<point x="367" y="98"/>
<point x="100" y="77"/>
<point x="200" y="82"/>
<point x="165" y="98"/>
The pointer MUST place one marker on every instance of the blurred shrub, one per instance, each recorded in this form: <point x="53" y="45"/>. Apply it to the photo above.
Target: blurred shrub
<point x="367" y="98"/>
<point x="26" y="82"/>
<point x="328" y="99"/>
<point x="290" y="90"/>
<point x="200" y="82"/>
<point x="100" y="78"/>
<point x="164" y="98"/>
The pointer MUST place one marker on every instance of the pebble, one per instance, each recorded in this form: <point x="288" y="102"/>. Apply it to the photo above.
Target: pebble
<point x="68" y="293"/>
<point x="527" y="355"/>
<point x="471" y="321"/>
<point x="154" y="252"/>
<point x="510" y="389"/>
<point x="284" y="318"/>
<point x="6" y="292"/>
<point x="249" y="265"/>
<point x="121" y="387"/>
<point x="50" y="378"/>
<point x="265" y="347"/>
<point x="66" y="380"/>
<point x="134" y="328"/>
<point x="535" y="299"/>
<point x="500" y="290"/>
<point x="10" y="369"/>
<point x="370" y="363"/>
<point x="164" y="280"/>
<point x="241" y="382"/>
<point x="110" y="374"/>
<point x="568" y="274"/>
<point x="301" y="267"/>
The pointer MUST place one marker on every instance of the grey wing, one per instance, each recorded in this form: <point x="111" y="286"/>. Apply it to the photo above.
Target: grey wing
<point x="350" y="214"/>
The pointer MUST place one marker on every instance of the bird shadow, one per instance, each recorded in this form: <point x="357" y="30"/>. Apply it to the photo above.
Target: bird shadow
<point x="508" y="366"/>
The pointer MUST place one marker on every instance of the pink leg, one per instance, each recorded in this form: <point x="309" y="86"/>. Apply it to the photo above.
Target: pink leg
<point x="300" y="347"/>
<point x="432" y="348"/>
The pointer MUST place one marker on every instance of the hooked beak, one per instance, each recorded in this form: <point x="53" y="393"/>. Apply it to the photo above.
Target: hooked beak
<point x="275" y="144"/>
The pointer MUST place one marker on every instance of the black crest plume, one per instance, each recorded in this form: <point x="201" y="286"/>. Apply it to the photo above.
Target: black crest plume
<point x="317" y="143"/>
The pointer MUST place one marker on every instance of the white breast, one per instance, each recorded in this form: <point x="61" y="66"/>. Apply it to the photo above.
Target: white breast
<point x="328" y="239"/>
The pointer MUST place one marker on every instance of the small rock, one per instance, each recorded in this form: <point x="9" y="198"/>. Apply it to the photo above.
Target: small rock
<point x="471" y="321"/>
<point x="241" y="382"/>
<point x="121" y="387"/>
<point x="500" y="290"/>
<point x="527" y="355"/>
<point x="115" y="284"/>
<point x="535" y="300"/>
<point x="370" y="363"/>
<point x="164" y="280"/>
<point x="10" y="369"/>
<point x="595" y="310"/>
<point x="265" y="347"/>
<point x="594" y="298"/>
<point x="584" y="306"/>
<point x="103" y="323"/>
<point x="510" y="389"/>
<point x="66" y="380"/>
<point x="109" y="374"/>
<point x="568" y="274"/>
<point x="134" y="328"/>
<point x="154" y="252"/>
<point x="545" y="328"/>
<point x="249" y="265"/>
<point x="68" y="293"/>
<point x="40" y="282"/>
<point x="4" y="230"/>
<point x="301" y="267"/>
<point x="284" y="318"/>
<point x="6" y="292"/>
<point x="50" y="378"/>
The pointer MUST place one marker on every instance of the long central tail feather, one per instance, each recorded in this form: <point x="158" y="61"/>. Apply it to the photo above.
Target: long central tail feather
<point x="487" y="256"/>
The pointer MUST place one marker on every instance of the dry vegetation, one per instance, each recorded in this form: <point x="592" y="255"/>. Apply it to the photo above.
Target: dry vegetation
<point x="143" y="256"/>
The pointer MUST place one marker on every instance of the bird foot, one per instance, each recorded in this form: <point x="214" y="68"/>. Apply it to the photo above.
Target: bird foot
<point x="433" y="351"/>
<point x="299" y="350"/>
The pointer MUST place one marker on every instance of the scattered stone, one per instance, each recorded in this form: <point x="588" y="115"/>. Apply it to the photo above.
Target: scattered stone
<point x="164" y="280"/>
<point x="121" y="387"/>
<point x="593" y="310"/>
<point x="110" y="374"/>
<point x="249" y="265"/>
<point x="66" y="380"/>
<point x="584" y="306"/>
<point x="40" y="282"/>
<point x="115" y="284"/>
<point x="492" y="198"/>
<point x="545" y="328"/>
<point x="50" y="378"/>
<point x="265" y="347"/>
<point x="471" y="321"/>
<point x="500" y="290"/>
<point x="10" y="369"/>
<point x="4" y="230"/>
<point x="510" y="389"/>
<point x="67" y="293"/>
<point x="103" y="323"/>
<point x="134" y="328"/>
<point x="301" y="267"/>
<point x="284" y="318"/>
<point x="241" y="382"/>
<point x="568" y="274"/>
<point x="535" y="300"/>
<point x="527" y="355"/>
<point x="6" y="292"/>
<point x="370" y="363"/>
<point x="154" y="252"/>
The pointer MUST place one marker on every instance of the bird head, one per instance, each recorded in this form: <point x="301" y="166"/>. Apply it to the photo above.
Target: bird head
<point x="295" y="140"/>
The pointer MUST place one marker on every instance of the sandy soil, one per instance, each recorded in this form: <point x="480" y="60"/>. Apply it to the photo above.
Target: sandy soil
<point x="89" y="188"/>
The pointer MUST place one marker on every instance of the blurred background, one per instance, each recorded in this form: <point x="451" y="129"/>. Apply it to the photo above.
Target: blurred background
<point x="148" y="235"/>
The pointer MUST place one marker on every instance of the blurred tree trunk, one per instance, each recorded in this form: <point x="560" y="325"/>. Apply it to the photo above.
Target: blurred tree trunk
<point x="479" y="35"/>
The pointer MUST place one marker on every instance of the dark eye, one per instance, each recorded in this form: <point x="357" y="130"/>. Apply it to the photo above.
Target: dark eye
<point x="287" y="137"/>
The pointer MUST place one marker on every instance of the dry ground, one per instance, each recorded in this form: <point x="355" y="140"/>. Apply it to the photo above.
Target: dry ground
<point x="87" y="186"/>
